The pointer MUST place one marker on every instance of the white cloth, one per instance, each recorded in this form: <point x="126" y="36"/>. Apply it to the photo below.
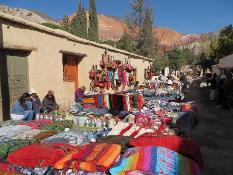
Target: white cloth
<point x="17" y="117"/>
<point x="13" y="130"/>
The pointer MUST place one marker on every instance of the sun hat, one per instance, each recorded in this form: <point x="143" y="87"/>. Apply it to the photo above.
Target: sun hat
<point x="32" y="91"/>
<point x="169" y="82"/>
<point x="50" y="92"/>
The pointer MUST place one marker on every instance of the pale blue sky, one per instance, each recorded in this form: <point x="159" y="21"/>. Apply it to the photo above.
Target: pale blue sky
<point x="185" y="16"/>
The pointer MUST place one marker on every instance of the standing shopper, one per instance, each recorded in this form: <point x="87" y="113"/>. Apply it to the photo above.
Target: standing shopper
<point x="213" y="87"/>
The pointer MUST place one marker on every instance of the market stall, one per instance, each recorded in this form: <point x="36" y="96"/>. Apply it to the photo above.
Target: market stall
<point x="132" y="136"/>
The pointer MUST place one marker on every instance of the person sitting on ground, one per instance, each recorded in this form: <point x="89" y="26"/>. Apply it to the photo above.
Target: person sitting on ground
<point x="79" y="93"/>
<point x="36" y="103"/>
<point x="22" y="110"/>
<point x="49" y="102"/>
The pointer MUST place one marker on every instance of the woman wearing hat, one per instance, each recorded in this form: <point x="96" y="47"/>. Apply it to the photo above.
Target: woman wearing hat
<point x="49" y="102"/>
<point x="36" y="103"/>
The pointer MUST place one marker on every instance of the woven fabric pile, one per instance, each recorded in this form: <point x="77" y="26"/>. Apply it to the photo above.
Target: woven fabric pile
<point x="138" y="137"/>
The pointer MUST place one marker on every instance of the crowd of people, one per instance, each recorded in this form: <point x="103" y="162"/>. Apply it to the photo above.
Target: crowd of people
<point x="29" y="104"/>
<point x="221" y="90"/>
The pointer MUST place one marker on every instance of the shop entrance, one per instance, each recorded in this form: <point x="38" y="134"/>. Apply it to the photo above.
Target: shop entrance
<point x="13" y="79"/>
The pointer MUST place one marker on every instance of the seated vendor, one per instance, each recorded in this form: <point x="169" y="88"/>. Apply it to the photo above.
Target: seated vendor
<point x="22" y="110"/>
<point x="79" y="93"/>
<point x="49" y="102"/>
<point x="36" y="103"/>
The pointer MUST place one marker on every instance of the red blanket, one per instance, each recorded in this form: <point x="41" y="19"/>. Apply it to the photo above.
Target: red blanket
<point x="40" y="155"/>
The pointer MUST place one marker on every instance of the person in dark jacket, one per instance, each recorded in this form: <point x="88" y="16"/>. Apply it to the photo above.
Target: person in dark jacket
<point x="22" y="110"/>
<point x="36" y="103"/>
<point x="49" y="102"/>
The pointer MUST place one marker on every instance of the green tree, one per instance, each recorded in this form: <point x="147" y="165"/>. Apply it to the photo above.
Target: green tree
<point x="93" y="31"/>
<point x="136" y="17"/>
<point x="66" y="23"/>
<point x="225" y="42"/>
<point x="177" y="58"/>
<point x="223" y="46"/>
<point x="81" y="21"/>
<point x="127" y="43"/>
<point x="74" y="26"/>
<point x="147" y="44"/>
<point x="160" y="63"/>
<point x="205" y="61"/>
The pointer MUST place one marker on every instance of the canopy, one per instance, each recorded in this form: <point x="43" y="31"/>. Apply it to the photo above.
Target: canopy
<point x="226" y="62"/>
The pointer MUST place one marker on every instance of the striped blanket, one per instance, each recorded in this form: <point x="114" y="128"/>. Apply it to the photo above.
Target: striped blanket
<point x="96" y="157"/>
<point x="155" y="160"/>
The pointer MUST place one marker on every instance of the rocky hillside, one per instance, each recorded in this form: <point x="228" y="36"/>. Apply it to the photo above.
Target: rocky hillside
<point x="112" y="28"/>
<point x="29" y="15"/>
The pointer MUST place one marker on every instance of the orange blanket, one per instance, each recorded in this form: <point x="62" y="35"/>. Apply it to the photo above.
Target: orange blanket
<point x="94" y="157"/>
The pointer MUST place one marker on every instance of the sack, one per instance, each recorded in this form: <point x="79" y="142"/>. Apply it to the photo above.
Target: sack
<point x="212" y="95"/>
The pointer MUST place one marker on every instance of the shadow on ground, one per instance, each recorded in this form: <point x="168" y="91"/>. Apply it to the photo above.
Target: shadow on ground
<point x="214" y="133"/>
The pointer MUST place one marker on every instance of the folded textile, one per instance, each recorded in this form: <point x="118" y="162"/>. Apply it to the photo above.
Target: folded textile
<point x="123" y="141"/>
<point x="39" y="155"/>
<point x="157" y="160"/>
<point x="36" y="134"/>
<point x="4" y="139"/>
<point x="34" y="171"/>
<point x="58" y="125"/>
<point x="88" y="100"/>
<point x="73" y="137"/>
<point x="118" y="128"/>
<point x="70" y="172"/>
<point x="186" y="147"/>
<point x="89" y="106"/>
<point x="29" y="134"/>
<point x="6" y="169"/>
<point x="96" y="157"/>
<point x="11" y="146"/>
<point x="9" y="122"/>
<point x="13" y="130"/>
<point x="36" y="124"/>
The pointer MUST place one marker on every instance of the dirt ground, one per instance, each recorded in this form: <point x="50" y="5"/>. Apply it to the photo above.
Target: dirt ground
<point x="214" y="133"/>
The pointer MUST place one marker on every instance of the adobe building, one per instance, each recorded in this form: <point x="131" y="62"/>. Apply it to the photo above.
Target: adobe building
<point x="35" y="56"/>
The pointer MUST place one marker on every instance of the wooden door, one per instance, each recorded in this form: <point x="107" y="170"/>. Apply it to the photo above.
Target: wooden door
<point x="14" y="79"/>
<point x="71" y="69"/>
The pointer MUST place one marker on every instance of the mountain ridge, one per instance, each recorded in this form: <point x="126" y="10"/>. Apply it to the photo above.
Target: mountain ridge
<point x="112" y="28"/>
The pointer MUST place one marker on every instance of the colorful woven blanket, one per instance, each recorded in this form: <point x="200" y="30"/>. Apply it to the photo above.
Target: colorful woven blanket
<point x="92" y="157"/>
<point x="156" y="160"/>
<point x="97" y="157"/>
<point x="39" y="155"/>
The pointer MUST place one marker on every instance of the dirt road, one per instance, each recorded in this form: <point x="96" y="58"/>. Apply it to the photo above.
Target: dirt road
<point x="214" y="133"/>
